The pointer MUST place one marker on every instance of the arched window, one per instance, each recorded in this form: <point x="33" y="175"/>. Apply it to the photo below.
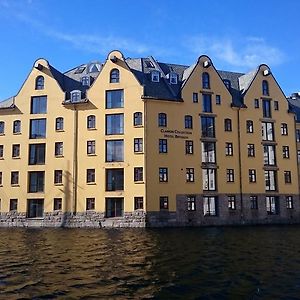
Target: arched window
<point x="114" y="76"/>
<point x="17" y="126"/>
<point x="205" y="80"/>
<point x="2" y="126"/>
<point x="59" y="124"/>
<point x="188" y="122"/>
<point x="227" y="125"/>
<point x="91" y="122"/>
<point x="137" y="119"/>
<point x="162" y="120"/>
<point x="265" y="88"/>
<point x="39" y="83"/>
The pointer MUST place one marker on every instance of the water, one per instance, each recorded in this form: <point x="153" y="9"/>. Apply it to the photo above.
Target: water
<point x="199" y="263"/>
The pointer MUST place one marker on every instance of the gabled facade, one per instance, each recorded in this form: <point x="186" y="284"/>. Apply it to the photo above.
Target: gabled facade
<point x="136" y="142"/>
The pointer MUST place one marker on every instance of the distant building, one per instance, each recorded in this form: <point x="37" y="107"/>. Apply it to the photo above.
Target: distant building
<point x="136" y="142"/>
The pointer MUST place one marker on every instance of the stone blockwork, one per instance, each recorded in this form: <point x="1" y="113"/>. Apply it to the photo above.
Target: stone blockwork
<point x="60" y="219"/>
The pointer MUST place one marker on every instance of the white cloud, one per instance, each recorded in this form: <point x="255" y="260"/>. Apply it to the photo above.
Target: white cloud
<point x="247" y="53"/>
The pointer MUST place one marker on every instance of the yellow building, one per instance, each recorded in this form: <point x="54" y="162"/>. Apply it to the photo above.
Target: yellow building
<point x="135" y="142"/>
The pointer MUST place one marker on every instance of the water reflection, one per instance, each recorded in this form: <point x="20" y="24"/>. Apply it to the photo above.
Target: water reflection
<point x="203" y="263"/>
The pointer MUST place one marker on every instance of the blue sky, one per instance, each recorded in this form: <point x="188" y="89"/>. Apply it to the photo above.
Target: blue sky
<point x="237" y="35"/>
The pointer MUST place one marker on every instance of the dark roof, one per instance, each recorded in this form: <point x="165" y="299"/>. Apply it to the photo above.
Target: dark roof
<point x="294" y="105"/>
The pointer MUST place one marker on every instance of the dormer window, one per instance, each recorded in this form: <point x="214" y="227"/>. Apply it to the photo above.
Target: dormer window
<point x="94" y="68"/>
<point x="173" y="78"/>
<point x="79" y="70"/>
<point x="39" y="83"/>
<point x="155" y="76"/>
<point x="75" y="96"/>
<point x="85" y="80"/>
<point x="114" y="76"/>
<point x="227" y="83"/>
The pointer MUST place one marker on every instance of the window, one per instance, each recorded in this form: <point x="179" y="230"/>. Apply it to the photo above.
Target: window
<point x="114" y="150"/>
<point x="35" y="208"/>
<point x="191" y="203"/>
<point x="17" y="127"/>
<point x="79" y="70"/>
<point x="2" y="127"/>
<point x="1" y="178"/>
<point x="115" y="99"/>
<point x="163" y="202"/>
<point x="285" y="152"/>
<point x="1" y="151"/>
<point x="251" y="150"/>
<point x="272" y="205"/>
<point x="269" y="155"/>
<point x="137" y="119"/>
<point x="14" y="178"/>
<point x="253" y="202"/>
<point x="91" y="122"/>
<point x="114" y="179"/>
<point x="190" y="175"/>
<point x="162" y="120"/>
<point x="189" y="147"/>
<point x="249" y="125"/>
<point x="208" y="126"/>
<point x="227" y="125"/>
<point x="270" y="180"/>
<point x="173" y="78"/>
<point x="114" y="207"/>
<point x="298" y="135"/>
<point x="231" y="203"/>
<point x="208" y="152"/>
<point x="91" y="147"/>
<point x="114" y="76"/>
<point x="39" y="83"/>
<point x="58" y="175"/>
<point x="163" y="146"/>
<point x="256" y="103"/>
<point x="38" y="105"/>
<point x="85" y="80"/>
<point x="227" y="83"/>
<point x="209" y="206"/>
<point x="36" y="181"/>
<point x="15" y="150"/>
<point x="37" y="154"/>
<point x="138" y="145"/>
<point x="276" y="105"/>
<point x="205" y="80"/>
<point x="289" y="202"/>
<point x="267" y="131"/>
<point x="230" y="175"/>
<point x="195" y="97"/>
<point x="59" y="148"/>
<point x="114" y="124"/>
<point x="90" y="175"/>
<point x="218" y="99"/>
<point x="298" y="155"/>
<point x="206" y="103"/>
<point x="284" y="129"/>
<point x="59" y="124"/>
<point x="252" y="175"/>
<point x="163" y="174"/>
<point x="209" y="179"/>
<point x="265" y="88"/>
<point x="13" y="204"/>
<point x="138" y="174"/>
<point x="266" y="108"/>
<point x="90" y="203"/>
<point x="188" y="122"/>
<point x="155" y="76"/>
<point x="228" y="149"/>
<point x="287" y="177"/>
<point x="57" y="204"/>
<point x="138" y="203"/>
<point x="37" y="128"/>
<point x="75" y="96"/>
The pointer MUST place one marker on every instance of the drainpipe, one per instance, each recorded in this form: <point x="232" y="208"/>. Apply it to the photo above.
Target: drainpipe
<point x="240" y="165"/>
<point x="75" y="161"/>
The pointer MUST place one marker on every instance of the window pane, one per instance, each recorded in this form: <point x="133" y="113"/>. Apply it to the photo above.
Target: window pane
<point x="114" y="99"/>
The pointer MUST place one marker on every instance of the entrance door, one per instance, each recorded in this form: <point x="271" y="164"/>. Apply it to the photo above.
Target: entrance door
<point x="35" y="208"/>
<point x="114" y="207"/>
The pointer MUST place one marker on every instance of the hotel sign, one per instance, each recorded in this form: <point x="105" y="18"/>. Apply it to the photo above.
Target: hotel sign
<point x="176" y="134"/>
